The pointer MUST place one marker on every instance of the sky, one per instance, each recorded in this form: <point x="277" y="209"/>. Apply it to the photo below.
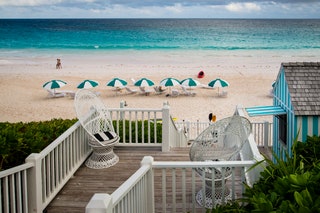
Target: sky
<point x="159" y="9"/>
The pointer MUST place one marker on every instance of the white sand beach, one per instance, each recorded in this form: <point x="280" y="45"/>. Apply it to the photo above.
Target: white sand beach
<point x="250" y="77"/>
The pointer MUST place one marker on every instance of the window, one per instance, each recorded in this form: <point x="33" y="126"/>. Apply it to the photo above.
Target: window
<point x="283" y="128"/>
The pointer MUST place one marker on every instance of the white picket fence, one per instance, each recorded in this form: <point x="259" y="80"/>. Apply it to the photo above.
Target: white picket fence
<point x="262" y="131"/>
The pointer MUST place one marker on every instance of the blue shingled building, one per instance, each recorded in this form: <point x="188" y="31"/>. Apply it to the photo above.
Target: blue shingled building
<point x="296" y="105"/>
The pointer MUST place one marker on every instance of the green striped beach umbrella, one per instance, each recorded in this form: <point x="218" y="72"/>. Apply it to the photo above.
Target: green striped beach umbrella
<point x="86" y="84"/>
<point x="54" y="84"/>
<point x="217" y="83"/>
<point x="117" y="82"/>
<point x="144" y="82"/>
<point x="169" y="82"/>
<point x="190" y="82"/>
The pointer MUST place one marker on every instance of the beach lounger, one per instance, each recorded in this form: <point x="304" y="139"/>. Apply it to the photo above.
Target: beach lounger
<point x="131" y="91"/>
<point x="175" y="93"/>
<point x="187" y="92"/>
<point x="159" y="90"/>
<point x="55" y="94"/>
<point x="69" y="93"/>
<point x="118" y="90"/>
<point x="145" y="91"/>
<point x="223" y="94"/>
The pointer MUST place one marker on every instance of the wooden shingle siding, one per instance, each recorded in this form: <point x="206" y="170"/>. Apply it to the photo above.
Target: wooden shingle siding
<point x="303" y="80"/>
<point x="297" y="91"/>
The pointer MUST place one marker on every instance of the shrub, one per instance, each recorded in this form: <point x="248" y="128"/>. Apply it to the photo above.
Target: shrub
<point x="136" y="128"/>
<point x="289" y="185"/>
<point x="18" y="140"/>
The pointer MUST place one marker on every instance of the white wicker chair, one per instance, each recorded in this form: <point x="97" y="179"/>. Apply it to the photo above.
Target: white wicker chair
<point x="221" y="141"/>
<point x="95" y="119"/>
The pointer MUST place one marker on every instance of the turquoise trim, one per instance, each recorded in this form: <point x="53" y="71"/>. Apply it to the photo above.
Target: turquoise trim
<point x="304" y="131"/>
<point x="265" y="110"/>
<point x="315" y="124"/>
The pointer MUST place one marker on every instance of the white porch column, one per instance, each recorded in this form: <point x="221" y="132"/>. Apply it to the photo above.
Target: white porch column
<point x="148" y="160"/>
<point x="165" y="128"/>
<point x="34" y="184"/>
<point x="99" y="203"/>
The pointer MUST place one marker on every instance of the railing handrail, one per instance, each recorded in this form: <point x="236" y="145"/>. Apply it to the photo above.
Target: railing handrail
<point x="201" y="164"/>
<point x="58" y="140"/>
<point x="15" y="169"/>
<point x="262" y="130"/>
<point x="119" y="193"/>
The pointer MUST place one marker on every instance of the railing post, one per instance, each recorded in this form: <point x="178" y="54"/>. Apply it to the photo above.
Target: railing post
<point x="198" y="127"/>
<point x="165" y="128"/>
<point x="122" y="105"/>
<point x="148" y="160"/>
<point x="266" y="134"/>
<point x="34" y="184"/>
<point x="100" y="203"/>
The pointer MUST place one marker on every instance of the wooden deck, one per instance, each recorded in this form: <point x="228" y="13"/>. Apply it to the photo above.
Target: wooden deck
<point x="76" y="194"/>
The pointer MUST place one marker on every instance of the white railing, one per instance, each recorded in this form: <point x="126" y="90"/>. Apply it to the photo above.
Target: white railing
<point x="133" y="123"/>
<point x="32" y="186"/>
<point x="192" y="129"/>
<point x="157" y="121"/>
<point x="177" y="183"/>
<point x="179" y="189"/>
<point x="14" y="190"/>
<point x="262" y="131"/>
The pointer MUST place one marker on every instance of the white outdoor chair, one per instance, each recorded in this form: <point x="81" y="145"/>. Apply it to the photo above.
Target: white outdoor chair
<point x="95" y="119"/>
<point x="145" y="91"/>
<point x="187" y="92"/>
<point x="159" y="90"/>
<point x="221" y="141"/>
<point x="55" y="94"/>
<point x="175" y="93"/>
<point x="131" y="91"/>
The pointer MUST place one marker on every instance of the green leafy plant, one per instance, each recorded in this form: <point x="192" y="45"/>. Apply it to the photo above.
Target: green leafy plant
<point x="18" y="140"/>
<point x="139" y="130"/>
<point x="289" y="185"/>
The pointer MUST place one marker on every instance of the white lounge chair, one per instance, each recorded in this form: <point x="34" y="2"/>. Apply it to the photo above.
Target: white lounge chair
<point x="187" y="92"/>
<point x="55" y="94"/>
<point x="159" y="90"/>
<point x="223" y="94"/>
<point x="175" y="93"/>
<point x="145" y="91"/>
<point x="131" y="91"/>
<point x="69" y="93"/>
<point x="118" y="90"/>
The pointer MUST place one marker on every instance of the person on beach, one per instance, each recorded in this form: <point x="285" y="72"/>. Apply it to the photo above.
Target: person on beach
<point x="212" y="117"/>
<point x="58" y="65"/>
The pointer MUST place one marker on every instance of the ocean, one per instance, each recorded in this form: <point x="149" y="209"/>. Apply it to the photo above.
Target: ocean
<point x="19" y="37"/>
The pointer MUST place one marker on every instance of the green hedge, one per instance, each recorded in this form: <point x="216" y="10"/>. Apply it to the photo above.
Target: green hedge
<point x="139" y="126"/>
<point x="18" y="140"/>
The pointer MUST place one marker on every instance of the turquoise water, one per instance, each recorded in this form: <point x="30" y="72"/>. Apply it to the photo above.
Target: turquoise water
<point x="76" y="35"/>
